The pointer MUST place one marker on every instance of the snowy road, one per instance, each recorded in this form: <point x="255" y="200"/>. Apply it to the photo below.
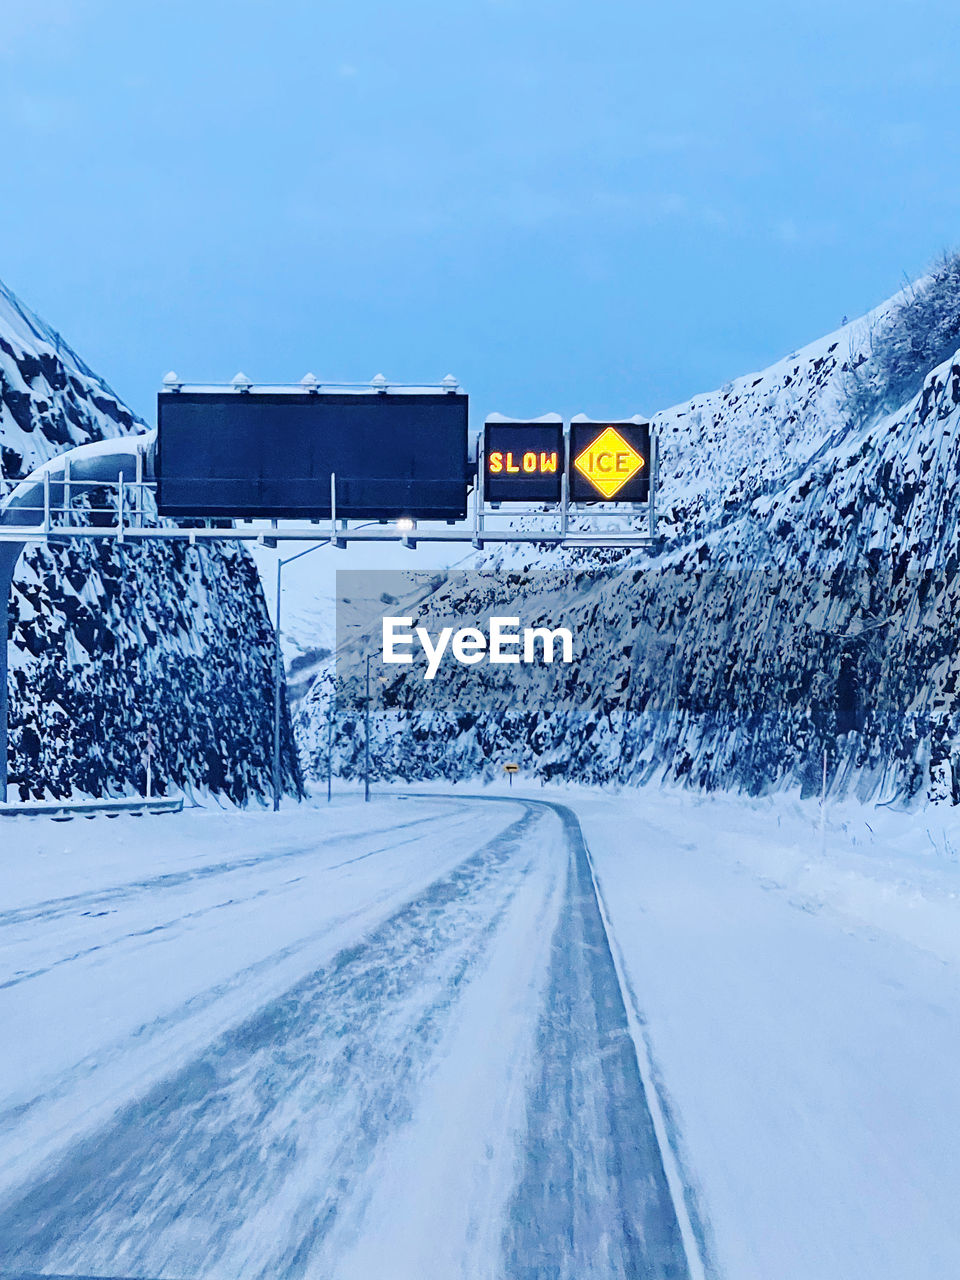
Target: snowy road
<point x="396" y="1048"/>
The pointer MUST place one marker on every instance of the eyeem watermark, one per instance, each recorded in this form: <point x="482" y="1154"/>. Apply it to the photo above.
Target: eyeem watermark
<point x="503" y="642"/>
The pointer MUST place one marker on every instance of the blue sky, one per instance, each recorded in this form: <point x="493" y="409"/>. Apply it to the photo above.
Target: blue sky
<point x="603" y="207"/>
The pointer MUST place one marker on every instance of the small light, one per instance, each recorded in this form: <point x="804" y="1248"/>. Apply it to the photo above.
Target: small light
<point x="309" y="382"/>
<point x="450" y="383"/>
<point x="380" y="382"/>
<point x="172" y="382"/>
<point x="241" y="382"/>
<point x="406" y="524"/>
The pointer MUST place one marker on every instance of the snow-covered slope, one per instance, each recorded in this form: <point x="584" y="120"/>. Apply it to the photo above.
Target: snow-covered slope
<point x="49" y="399"/>
<point x="803" y="607"/>
<point x="107" y="642"/>
<point x="726" y="447"/>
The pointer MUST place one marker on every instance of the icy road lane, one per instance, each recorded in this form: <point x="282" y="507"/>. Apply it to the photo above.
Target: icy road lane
<point x="396" y="1049"/>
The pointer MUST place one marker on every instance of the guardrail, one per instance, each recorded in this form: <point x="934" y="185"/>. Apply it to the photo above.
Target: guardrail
<point x="64" y="809"/>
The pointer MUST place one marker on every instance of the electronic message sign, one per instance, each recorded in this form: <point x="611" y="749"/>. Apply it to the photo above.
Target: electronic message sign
<point x="272" y="453"/>
<point x="523" y="461"/>
<point x="609" y="461"/>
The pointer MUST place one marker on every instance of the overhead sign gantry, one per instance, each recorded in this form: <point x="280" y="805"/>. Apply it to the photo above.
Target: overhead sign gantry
<point x="380" y="453"/>
<point x="226" y="458"/>
<point x="386" y="453"/>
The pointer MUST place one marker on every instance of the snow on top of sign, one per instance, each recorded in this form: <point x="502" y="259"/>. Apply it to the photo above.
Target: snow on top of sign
<point x="547" y="419"/>
<point x="637" y="420"/>
<point x="301" y="388"/>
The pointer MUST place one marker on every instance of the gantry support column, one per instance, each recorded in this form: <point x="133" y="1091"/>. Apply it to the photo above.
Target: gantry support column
<point x="9" y="555"/>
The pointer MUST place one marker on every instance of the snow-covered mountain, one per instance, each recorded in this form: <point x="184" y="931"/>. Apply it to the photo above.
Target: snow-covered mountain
<point x="801" y="615"/>
<point x="107" y="642"/>
<point x="49" y="399"/>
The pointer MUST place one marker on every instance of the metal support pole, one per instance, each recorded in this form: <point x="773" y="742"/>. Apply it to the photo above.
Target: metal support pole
<point x="652" y="499"/>
<point x="277" y="682"/>
<point x="138" y="499"/>
<point x="278" y="672"/>
<point x="479" y="496"/>
<point x="120" y="508"/>
<point x="330" y="715"/>
<point x="9" y="555"/>
<point x="149" y="750"/>
<point x="565" y="486"/>
<point x="336" y="535"/>
<point x="46" y="502"/>
<point x="366" y="738"/>
<point x="67" y="496"/>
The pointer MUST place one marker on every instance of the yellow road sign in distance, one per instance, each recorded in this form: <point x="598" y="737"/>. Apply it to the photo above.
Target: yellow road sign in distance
<point x="511" y="768"/>
<point x="609" y="462"/>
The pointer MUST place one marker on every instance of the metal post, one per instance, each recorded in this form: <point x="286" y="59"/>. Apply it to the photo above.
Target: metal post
<point x="330" y="749"/>
<point x="46" y="502"/>
<point x="565" y="486"/>
<point x="120" y="508"/>
<point x="9" y="555"/>
<point x="366" y="738"/>
<point x="277" y="681"/>
<point x="479" y="496"/>
<point x="336" y="538"/>
<point x="67" y="496"/>
<point x="138" y="498"/>
<point x="652" y="499"/>
<point x="150" y="762"/>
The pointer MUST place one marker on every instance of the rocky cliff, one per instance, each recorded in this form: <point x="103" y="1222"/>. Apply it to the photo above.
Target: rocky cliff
<point x="108" y="643"/>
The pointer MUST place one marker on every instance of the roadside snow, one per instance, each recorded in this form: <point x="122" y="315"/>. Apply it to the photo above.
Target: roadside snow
<point x="802" y="1006"/>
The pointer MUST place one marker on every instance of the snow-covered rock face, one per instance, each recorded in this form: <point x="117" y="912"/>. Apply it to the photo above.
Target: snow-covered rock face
<point x="107" y="642"/>
<point x="724" y="448"/>
<point x="806" y="601"/>
<point x="49" y="399"/>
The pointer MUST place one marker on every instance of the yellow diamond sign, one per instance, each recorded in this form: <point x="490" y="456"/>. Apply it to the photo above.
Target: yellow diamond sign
<point x="608" y="462"/>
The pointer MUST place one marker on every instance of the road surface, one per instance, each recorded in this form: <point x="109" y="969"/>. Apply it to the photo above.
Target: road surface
<point x="397" y="1048"/>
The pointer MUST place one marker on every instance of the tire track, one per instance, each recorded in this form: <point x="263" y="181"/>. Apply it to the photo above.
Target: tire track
<point x="592" y="1201"/>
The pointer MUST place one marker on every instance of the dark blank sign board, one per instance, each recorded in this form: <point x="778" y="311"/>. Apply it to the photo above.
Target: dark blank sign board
<point x="522" y="461"/>
<point x="271" y="454"/>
